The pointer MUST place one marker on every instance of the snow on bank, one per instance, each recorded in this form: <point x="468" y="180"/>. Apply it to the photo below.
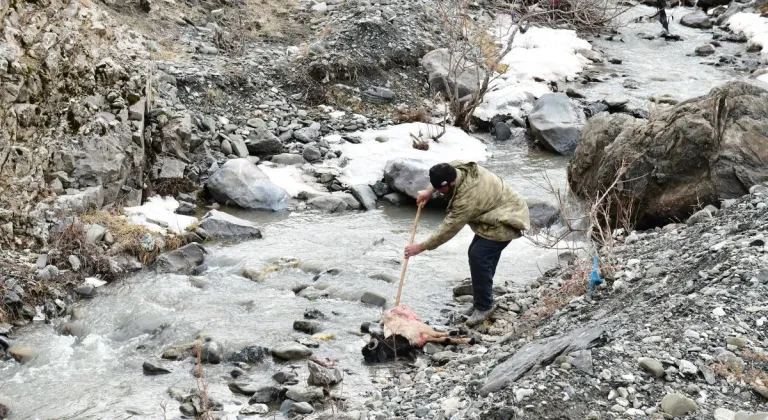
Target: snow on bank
<point x="290" y="178"/>
<point x="538" y="54"/>
<point x="367" y="159"/>
<point x="157" y="214"/>
<point x="753" y="27"/>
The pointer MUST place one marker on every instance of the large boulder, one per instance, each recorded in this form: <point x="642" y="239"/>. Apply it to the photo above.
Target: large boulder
<point x="452" y="75"/>
<point x="181" y="260"/>
<point x="261" y="141"/>
<point x="242" y="183"/>
<point x="556" y="123"/>
<point x="697" y="19"/>
<point x="408" y="176"/>
<point x="220" y="225"/>
<point x="697" y="153"/>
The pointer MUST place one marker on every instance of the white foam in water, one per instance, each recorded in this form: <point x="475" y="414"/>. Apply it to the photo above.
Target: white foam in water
<point x="763" y="78"/>
<point x="288" y="178"/>
<point x="753" y="27"/>
<point x="539" y="53"/>
<point x="157" y="214"/>
<point x="368" y="159"/>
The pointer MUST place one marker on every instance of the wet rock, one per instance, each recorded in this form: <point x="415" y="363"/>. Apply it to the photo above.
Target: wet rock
<point x="502" y="131"/>
<point x="389" y="278"/>
<point x="697" y="19"/>
<point x="188" y="409"/>
<point x="312" y="294"/>
<point x="220" y="225"/>
<point x="439" y="65"/>
<point x="396" y="198"/>
<point x="330" y="203"/>
<point x="306" y="135"/>
<point x="556" y="123"/>
<point x="322" y="376"/>
<point x="312" y="153"/>
<point x="181" y="260"/>
<point x="308" y="327"/>
<point x="678" y="405"/>
<point x="380" y="188"/>
<point x="242" y="388"/>
<point x="365" y="195"/>
<point x="240" y="182"/>
<point x="542" y="214"/>
<point x="408" y="176"/>
<point x="311" y="313"/>
<point x="705" y="50"/>
<point x="212" y="352"/>
<point x="250" y="354"/>
<point x="762" y="391"/>
<point x="302" y="408"/>
<point x="291" y="351"/>
<point x="237" y="373"/>
<point x="371" y="298"/>
<point x="4" y="411"/>
<point x="652" y="366"/>
<point x="151" y="368"/>
<point x="264" y="395"/>
<point x="288" y="378"/>
<point x="304" y="394"/>
<point x="85" y="291"/>
<point x="22" y="354"/>
<point x="254" y="409"/>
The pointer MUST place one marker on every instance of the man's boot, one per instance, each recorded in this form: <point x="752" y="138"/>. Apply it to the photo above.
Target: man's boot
<point x="478" y="317"/>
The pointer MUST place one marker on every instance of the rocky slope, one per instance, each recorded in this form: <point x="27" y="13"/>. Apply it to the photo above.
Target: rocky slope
<point x="678" y="330"/>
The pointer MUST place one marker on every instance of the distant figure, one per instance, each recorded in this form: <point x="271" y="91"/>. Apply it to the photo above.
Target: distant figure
<point x="661" y="5"/>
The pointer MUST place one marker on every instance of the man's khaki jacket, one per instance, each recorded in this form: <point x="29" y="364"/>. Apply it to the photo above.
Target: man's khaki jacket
<point x="486" y="202"/>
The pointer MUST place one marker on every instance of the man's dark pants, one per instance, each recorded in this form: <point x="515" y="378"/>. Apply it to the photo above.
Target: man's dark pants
<point x="484" y="256"/>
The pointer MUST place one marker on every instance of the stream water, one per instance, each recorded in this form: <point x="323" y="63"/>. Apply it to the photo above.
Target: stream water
<point x="99" y="374"/>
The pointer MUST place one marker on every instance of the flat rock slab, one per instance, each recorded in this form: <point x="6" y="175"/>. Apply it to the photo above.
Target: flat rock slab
<point x="291" y="351"/>
<point x="543" y="352"/>
<point x="220" y="225"/>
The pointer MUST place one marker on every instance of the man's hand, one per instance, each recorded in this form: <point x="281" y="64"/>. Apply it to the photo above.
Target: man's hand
<point x="413" y="250"/>
<point x="423" y="196"/>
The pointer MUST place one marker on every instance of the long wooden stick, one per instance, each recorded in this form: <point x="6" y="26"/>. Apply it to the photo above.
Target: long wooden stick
<point x="405" y="263"/>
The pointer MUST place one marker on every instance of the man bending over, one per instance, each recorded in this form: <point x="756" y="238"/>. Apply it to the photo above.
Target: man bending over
<point x="494" y="211"/>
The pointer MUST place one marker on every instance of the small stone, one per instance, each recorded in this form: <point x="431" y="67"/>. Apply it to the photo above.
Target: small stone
<point x="718" y="312"/>
<point x="86" y="290"/>
<point x="705" y="50"/>
<point x="291" y="351"/>
<point x="678" y="405"/>
<point x="308" y="327"/>
<point x="151" y="368"/>
<point x="652" y="366"/>
<point x="242" y="388"/>
<point x="95" y="233"/>
<point x="502" y="131"/>
<point x="687" y="368"/>
<point x="74" y="262"/>
<point x="254" y="409"/>
<point x="371" y="298"/>
<point x="521" y="394"/>
<point x="738" y="342"/>
<point x="22" y="354"/>
<point x="288" y="378"/>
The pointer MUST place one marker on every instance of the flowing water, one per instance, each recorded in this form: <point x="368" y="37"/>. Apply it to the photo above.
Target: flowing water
<point x="99" y="374"/>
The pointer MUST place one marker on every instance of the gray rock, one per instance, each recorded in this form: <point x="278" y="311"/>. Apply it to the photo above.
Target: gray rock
<point x="408" y="176"/>
<point x="698" y="217"/>
<point x="239" y="147"/>
<point x="151" y="368"/>
<point x="220" y="225"/>
<point x="380" y="188"/>
<point x="705" y="50"/>
<point x="282" y="377"/>
<point x="291" y="351"/>
<point x="378" y="95"/>
<point x="542" y="214"/>
<point x="171" y="168"/>
<point x="304" y="394"/>
<point x="47" y="274"/>
<point x="181" y="260"/>
<point x="288" y="159"/>
<point x="502" y="131"/>
<point x="254" y="409"/>
<point x="188" y="409"/>
<point x="389" y="278"/>
<point x="85" y="290"/>
<point x="265" y="395"/>
<point x="95" y="233"/>
<point x="74" y="262"/>
<point x="536" y="352"/>
<point x="678" y="405"/>
<point x="212" y="352"/>
<point x="250" y="354"/>
<point x="312" y="153"/>
<point x="322" y="376"/>
<point x="306" y="134"/>
<point x="305" y="326"/>
<point x="395" y="198"/>
<point x="365" y="195"/>
<point x="83" y="200"/>
<point x="311" y="293"/>
<point x="697" y="19"/>
<point x="302" y="408"/>
<point x="262" y="142"/>
<point x="374" y="299"/>
<point x="556" y="123"/>
<point x="242" y="388"/>
<point x="441" y="64"/>
<point x="331" y="203"/>
<point x="241" y="183"/>
<point x="652" y="366"/>
<point x="42" y="261"/>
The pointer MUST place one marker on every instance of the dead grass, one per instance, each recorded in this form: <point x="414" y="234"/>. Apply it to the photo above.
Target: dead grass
<point x="735" y="372"/>
<point x="71" y="240"/>
<point x="128" y="236"/>
<point x="411" y="115"/>
<point x="173" y="187"/>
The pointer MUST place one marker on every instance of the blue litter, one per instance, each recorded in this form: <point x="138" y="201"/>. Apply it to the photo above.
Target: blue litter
<point x="594" y="278"/>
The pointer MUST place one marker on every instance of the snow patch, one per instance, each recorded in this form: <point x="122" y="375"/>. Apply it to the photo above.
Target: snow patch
<point x="539" y="54"/>
<point x="753" y="27"/>
<point x="763" y="78"/>
<point x="157" y="214"/>
<point x="290" y="178"/>
<point x="368" y="159"/>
